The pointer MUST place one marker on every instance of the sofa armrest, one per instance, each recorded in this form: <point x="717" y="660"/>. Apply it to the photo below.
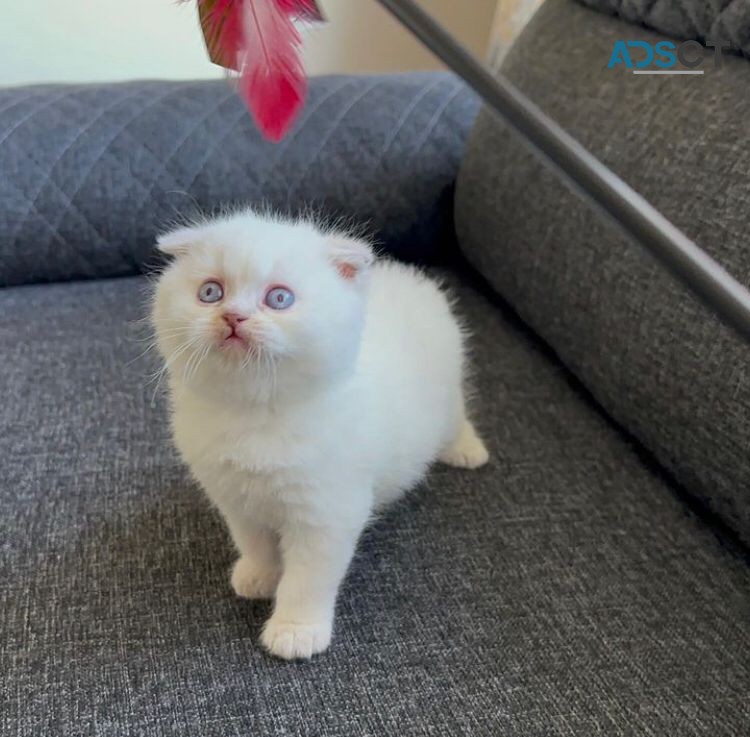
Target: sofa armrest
<point x="92" y="172"/>
<point x="653" y="356"/>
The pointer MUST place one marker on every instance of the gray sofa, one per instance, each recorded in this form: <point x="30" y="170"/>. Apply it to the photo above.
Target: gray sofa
<point x="592" y="580"/>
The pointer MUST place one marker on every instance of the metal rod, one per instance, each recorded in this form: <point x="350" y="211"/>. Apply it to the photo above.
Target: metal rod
<point x="681" y="256"/>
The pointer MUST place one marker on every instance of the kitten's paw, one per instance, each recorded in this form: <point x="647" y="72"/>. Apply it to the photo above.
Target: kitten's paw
<point x="467" y="450"/>
<point x="296" y="640"/>
<point x="252" y="580"/>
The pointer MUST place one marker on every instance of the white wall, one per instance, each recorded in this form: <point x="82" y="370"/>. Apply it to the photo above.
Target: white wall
<point x="90" y="40"/>
<point x="87" y="40"/>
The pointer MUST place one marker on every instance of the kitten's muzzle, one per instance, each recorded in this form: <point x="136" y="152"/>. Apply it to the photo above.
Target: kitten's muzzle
<point x="233" y="319"/>
<point x="231" y="332"/>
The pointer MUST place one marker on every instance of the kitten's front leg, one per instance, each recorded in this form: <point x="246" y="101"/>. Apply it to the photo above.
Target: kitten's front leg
<point x="315" y="562"/>
<point x="257" y="571"/>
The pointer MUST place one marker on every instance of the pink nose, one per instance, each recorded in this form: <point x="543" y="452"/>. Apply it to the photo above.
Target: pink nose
<point x="233" y="319"/>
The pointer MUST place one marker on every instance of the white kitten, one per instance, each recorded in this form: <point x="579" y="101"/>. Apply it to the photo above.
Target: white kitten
<point x="309" y="387"/>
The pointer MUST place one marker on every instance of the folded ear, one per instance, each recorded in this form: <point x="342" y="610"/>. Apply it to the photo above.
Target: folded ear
<point x="177" y="242"/>
<point x="351" y="256"/>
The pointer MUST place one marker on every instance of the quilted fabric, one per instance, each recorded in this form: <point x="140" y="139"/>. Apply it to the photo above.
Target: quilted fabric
<point x="563" y="591"/>
<point x="91" y="172"/>
<point x="723" y="22"/>
<point x="656" y="358"/>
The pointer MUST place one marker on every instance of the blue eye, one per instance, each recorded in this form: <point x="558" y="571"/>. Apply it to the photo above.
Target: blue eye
<point x="210" y="291"/>
<point x="279" y="298"/>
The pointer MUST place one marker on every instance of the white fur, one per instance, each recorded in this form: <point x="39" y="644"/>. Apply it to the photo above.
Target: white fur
<point x="339" y="405"/>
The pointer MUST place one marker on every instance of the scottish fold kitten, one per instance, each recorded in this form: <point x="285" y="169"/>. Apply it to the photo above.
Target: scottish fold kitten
<point x="309" y="387"/>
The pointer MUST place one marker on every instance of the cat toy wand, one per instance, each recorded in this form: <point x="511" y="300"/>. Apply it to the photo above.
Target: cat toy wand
<point x="689" y="263"/>
<point x="240" y="34"/>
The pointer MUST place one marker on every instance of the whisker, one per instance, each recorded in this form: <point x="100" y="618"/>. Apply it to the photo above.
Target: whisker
<point x="200" y="360"/>
<point x="148" y="348"/>
<point x="159" y="375"/>
<point x="188" y="371"/>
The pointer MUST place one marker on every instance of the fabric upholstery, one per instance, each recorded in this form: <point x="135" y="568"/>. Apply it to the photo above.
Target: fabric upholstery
<point x="565" y="590"/>
<point x="718" y="22"/>
<point x="657" y="360"/>
<point x="91" y="172"/>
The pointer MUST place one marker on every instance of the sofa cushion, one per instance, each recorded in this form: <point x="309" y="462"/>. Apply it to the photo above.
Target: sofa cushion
<point x="91" y="172"/>
<point x="720" y="22"/>
<point x="563" y="590"/>
<point x="657" y="359"/>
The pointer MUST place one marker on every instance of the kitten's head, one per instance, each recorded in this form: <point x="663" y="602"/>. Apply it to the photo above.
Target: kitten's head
<point x="260" y="306"/>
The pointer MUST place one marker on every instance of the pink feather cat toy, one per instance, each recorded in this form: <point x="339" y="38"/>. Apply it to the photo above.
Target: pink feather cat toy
<point x="259" y="39"/>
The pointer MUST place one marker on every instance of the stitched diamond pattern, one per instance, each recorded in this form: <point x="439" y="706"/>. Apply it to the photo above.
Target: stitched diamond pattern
<point x="724" y="22"/>
<point x="90" y="173"/>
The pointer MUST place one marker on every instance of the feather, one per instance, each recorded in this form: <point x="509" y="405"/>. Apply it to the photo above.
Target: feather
<point x="222" y="29"/>
<point x="272" y="82"/>
<point x="302" y="9"/>
<point x="258" y="39"/>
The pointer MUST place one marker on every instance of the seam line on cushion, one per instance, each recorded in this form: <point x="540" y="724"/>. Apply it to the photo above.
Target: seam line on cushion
<point x="406" y="114"/>
<point x="214" y="144"/>
<point x="32" y="113"/>
<point x="164" y="163"/>
<point x="435" y="119"/>
<point x="306" y="118"/>
<point x="15" y="103"/>
<point x="334" y="126"/>
<point x="728" y="29"/>
<point x="127" y="257"/>
<point x="48" y="179"/>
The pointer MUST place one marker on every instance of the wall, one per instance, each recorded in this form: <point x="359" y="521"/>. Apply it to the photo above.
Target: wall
<point x="510" y="19"/>
<point x="91" y="40"/>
